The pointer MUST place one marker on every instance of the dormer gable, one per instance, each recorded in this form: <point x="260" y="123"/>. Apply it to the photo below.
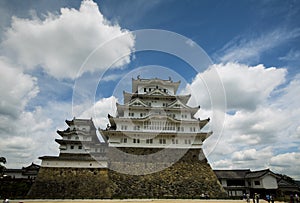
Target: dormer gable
<point x="137" y="102"/>
<point x="157" y="92"/>
<point x="177" y="104"/>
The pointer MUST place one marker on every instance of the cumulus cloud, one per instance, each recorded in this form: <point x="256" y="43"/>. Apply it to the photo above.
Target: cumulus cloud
<point x="261" y="117"/>
<point x="289" y="160"/>
<point x="58" y="45"/>
<point x="62" y="43"/>
<point x="22" y="140"/>
<point x="100" y="110"/>
<point x="248" y="158"/>
<point x="21" y="132"/>
<point x="17" y="89"/>
<point x="245" y="87"/>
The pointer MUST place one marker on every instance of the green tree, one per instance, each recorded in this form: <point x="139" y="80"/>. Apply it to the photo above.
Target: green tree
<point x="2" y="161"/>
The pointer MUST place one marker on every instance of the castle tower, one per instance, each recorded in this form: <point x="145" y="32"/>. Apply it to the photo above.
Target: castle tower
<point x="80" y="170"/>
<point x="155" y="144"/>
<point x="79" y="147"/>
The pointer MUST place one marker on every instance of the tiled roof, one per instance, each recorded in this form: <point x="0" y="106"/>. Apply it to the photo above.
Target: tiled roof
<point x="231" y="174"/>
<point x="258" y="174"/>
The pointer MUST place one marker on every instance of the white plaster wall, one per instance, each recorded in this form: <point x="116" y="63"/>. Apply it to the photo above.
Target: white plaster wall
<point x="74" y="164"/>
<point x="269" y="182"/>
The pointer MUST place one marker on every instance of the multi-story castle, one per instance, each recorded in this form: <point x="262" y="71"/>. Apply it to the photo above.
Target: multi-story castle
<point x="152" y="149"/>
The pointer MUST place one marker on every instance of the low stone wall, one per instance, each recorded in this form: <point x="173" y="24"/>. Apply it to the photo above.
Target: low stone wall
<point x="69" y="183"/>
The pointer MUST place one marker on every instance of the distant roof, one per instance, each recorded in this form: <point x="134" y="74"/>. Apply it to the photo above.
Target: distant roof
<point x="231" y="174"/>
<point x="258" y="174"/>
<point x="242" y="173"/>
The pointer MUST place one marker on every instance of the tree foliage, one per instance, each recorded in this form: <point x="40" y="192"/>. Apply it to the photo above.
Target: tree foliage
<point x="3" y="161"/>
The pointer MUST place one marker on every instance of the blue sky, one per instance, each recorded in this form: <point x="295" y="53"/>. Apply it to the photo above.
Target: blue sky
<point x="48" y="73"/>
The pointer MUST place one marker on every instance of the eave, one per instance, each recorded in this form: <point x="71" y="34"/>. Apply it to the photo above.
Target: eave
<point x="110" y="133"/>
<point x="130" y="96"/>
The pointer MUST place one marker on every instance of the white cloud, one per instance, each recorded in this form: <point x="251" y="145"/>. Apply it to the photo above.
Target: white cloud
<point x="261" y="119"/>
<point x="245" y="87"/>
<point x="242" y="50"/>
<point x="61" y="43"/>
<point x="292" y="55"/>
<point x="248" y="158"/>
<point x="287" y="163"/>
<point x="26" y="137"/>
<point x="17" y="89"/>
<point x="58" y="44"/>
<point x="100" y="110"/>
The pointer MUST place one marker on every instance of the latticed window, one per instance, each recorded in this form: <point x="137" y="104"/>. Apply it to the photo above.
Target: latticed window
<point x="136" y="140"/>
<point x="149" y="141"/>
<point x="162" y="141"/>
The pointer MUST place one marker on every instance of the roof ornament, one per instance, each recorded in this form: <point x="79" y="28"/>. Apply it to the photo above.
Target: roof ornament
<point x="170" y="78"/>
<point x="138" y="77"/>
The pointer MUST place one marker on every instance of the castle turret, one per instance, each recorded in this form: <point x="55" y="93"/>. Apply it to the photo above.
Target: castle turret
<point x="79" y="147"/>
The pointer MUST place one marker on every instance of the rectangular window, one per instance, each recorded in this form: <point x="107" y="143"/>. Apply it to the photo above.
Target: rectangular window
<point x="136" y="140"/>
<point x="256" y="182"/>
<point x="192" y="129"/>
<point x="162" y="141"/>
<point x="149" y="141"/>
<point x="124" y="140"/>
<point x="79" y="147"/>
<point x="72" y="147"/>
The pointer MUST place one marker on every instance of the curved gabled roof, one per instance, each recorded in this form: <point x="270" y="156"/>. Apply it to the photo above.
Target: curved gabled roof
<point x="77" y="121"/>
<point x="169" y="82"/>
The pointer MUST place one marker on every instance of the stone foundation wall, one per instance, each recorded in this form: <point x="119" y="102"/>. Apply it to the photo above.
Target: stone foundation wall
<point x="69" y="183"/>
<point x="189" y="177"/>
<point x="181" y="180"/>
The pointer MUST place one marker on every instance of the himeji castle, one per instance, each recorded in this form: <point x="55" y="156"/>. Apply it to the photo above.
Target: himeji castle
<point x="152" y="148"/>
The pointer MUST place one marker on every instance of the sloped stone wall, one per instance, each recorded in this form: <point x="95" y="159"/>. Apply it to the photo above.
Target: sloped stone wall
<point x="69" y="183"/>
<point x="181" y="180"/>
<point x="187" y="178"/>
